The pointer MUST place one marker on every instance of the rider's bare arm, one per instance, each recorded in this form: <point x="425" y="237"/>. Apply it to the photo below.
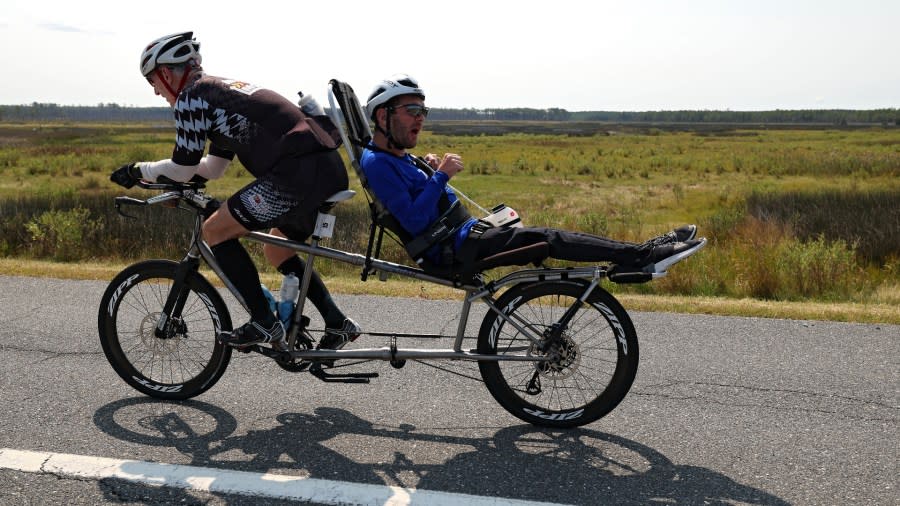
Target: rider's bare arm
<point x="210" y="167"/>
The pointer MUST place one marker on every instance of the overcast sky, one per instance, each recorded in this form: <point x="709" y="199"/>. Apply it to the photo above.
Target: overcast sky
<point x="590" y="55"/>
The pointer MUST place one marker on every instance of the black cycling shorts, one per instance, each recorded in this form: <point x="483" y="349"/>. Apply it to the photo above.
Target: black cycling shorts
<point x="288" y="196"/>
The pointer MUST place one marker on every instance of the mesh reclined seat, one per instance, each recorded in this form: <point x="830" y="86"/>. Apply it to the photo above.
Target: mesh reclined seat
<point x="356" y="133"/>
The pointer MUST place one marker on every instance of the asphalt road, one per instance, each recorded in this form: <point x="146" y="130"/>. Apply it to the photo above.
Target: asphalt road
<point x="723" y="411"/>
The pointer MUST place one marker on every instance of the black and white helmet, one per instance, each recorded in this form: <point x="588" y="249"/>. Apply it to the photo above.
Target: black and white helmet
<point x="170" y="50"/>
<point x="395" y="86"/>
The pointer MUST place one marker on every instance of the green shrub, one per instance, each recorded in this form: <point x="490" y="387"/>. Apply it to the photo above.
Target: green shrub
<point x="63" y="235"/>
<point x="818" y="268"/>
<point x="765" y="260"/>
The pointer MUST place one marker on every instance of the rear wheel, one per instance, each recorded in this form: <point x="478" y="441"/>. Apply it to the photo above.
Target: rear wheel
<point x="185" y="359"/>
<point x="588" y="360"/>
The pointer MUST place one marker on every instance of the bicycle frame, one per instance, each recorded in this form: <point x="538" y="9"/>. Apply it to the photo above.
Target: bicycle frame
<point x="199" y="249"/>
<point x="554" y="348"/>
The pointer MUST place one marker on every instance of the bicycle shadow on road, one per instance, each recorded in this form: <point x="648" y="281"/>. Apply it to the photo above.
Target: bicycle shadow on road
<point x="519" y="462"/>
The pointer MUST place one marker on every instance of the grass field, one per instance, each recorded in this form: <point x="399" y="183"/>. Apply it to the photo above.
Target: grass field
<point x="792" y="215"/>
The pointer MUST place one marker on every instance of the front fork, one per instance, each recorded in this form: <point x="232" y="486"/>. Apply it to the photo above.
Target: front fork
<point x="554" y="334"/>
<point x="552" y="343"/>
<point x="166" y="327"/>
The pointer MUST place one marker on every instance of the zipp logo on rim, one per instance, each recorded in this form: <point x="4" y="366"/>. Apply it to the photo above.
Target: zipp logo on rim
<point x="611" y="318"/>
<point x="159" y="388"/>
<point x="118" y="293"/>
<point x="571" y="415"/>
<point x="212" y="311"/>
<point x="495" y="327"/>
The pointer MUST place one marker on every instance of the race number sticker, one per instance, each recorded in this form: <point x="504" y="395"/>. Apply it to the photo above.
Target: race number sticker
<point x="242" y="86"/>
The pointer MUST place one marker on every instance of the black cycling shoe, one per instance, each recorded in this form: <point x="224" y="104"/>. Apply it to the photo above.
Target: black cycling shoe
<point x="680" y="234"/>
<point x="335" y="339"/>
<point x="252" y="333"/>
<point x="666" y="255"/>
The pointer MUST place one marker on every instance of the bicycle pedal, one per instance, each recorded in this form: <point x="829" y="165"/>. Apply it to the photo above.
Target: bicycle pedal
<point x="318" y="372"/>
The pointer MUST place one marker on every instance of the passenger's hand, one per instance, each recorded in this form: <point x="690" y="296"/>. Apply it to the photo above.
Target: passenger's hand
<point x="451" y="164"/>
<point x="126" y="175"/>
<point x="433" y="160"/>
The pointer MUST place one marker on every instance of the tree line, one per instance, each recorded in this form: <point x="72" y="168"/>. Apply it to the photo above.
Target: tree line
<point x="114" y="113"/>
<point x="885" y="117"/>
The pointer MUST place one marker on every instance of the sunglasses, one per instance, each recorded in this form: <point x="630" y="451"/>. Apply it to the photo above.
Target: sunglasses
<point x="414" y="110"/>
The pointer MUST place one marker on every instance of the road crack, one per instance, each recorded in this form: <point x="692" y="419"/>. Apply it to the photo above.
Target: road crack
<point x="779" y="399"/>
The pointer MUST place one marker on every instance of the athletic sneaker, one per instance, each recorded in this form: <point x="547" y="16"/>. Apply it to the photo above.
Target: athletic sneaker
<point x="666" y="255"/>
<point x="252" y="333"/>
<point x="680" y="234"/>
<point x="335" y="339"/>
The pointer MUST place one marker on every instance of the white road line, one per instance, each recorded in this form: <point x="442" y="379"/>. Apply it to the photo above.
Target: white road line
<point x="238" y="482"/>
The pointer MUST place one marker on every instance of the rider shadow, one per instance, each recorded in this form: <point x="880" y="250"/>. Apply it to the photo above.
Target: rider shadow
<point x="519" y="462"/>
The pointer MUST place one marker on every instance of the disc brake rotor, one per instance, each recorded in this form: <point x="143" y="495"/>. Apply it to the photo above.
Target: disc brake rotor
<point x="161" y="347"/>
<point x="564" y="358"/>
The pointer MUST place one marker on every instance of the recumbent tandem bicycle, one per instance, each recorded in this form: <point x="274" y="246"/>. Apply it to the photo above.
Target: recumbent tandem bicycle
<point x="554" y="348"/>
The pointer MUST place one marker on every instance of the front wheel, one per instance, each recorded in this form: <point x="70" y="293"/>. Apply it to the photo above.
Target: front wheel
<point x="585" y="362"/>
<point x="182" y="361"/>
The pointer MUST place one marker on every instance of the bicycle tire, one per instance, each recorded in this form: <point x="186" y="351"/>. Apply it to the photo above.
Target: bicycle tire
<point x="594" y="367"/>
<point x="178" y="367"/>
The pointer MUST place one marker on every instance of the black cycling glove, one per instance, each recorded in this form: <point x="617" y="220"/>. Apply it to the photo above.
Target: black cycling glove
<point x="126" y="175"/>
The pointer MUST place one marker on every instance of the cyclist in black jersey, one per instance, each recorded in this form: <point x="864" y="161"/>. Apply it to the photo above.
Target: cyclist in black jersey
<point x="290" y="151"/>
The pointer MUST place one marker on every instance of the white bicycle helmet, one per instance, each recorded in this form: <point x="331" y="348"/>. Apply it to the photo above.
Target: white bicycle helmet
<point x="396" y="85"/>
<point x="169" y="50"/>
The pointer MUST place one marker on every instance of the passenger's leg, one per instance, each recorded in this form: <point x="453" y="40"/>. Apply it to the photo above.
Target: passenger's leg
<point x="581" y="247"/>
<point x="564" y="245"/>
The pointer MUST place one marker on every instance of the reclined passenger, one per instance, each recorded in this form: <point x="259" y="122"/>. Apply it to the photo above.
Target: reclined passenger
<point x="417" y="199"/>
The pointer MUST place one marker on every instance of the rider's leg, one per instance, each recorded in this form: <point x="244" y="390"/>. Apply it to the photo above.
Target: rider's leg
<point x="320" y="176"/>
<point x="286" y="261"/>
<point x="221" y="231"/>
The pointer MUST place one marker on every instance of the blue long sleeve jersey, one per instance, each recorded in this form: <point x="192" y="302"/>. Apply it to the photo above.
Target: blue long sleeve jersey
<point x="409" y="194"/>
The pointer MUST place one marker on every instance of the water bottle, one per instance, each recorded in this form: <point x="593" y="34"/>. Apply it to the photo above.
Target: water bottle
<point x="269" y="297"/>
<point x="309" y="105"/>
<point x="290" y="288"/>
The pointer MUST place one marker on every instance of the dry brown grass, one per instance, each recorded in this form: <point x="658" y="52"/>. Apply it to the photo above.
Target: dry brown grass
<point x="396" y="287"/>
